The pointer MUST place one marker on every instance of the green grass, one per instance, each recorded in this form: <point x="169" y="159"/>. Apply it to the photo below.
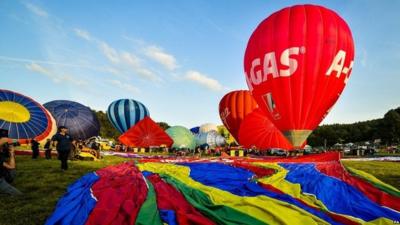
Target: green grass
<point x="43" y="183"/>
<point x="388" y="172"/>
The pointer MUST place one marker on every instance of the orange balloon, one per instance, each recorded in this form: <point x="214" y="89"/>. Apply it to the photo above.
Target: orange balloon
<point x="234" y="107"/>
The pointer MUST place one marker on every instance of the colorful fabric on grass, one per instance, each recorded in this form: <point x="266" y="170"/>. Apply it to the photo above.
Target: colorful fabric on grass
<point x="291" y="191"/>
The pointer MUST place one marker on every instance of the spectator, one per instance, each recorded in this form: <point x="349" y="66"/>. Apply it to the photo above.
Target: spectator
<point x="47" y="149"/>
<point x="35" y="148"/>
<point x="7" y="165"/>
<point x="63" y="142"/>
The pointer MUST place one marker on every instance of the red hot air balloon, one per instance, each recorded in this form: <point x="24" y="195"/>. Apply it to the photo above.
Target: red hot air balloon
<point x="297" y="63"/>
<point x="145" y="133"/>
<point x="257" y="130"/>
<point x="234" y="107"/>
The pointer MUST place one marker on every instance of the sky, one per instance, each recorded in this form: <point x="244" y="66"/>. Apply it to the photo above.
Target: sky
<point x="179" y="58"/>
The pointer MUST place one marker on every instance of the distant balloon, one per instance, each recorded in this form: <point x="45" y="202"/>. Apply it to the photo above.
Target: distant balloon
<point x="145" y="133"/>
<point x="258" y="131"/>
<point x="124" y="113"/>
<point x="207" y="127"/>
<point x="211" y="138"/>
<point x="234" y="107"/>
<point x="297" y="63"/>
<point x="195" y="130"/>
<point x="24" y="118"/>
<point x="182" y="137"/>
<point x="80" y="120"/>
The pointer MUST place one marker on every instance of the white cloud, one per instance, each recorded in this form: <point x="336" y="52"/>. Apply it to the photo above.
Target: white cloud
<point x="57" y="78"/>
<point x="125" y="86"/>
<point x="36" y="10"/>
<point x="83" y="34"/>
<point x="203" y="80"/>
<point x="109" y="52"/>
<point x="159" y="55"/>
<point x="135" y="64"/>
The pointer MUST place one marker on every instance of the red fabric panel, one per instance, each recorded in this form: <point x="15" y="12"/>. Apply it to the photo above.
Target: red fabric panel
<point x="145" y="133"/>
<point x="171" y="199"/>
<point x="120" y="192"/>
<point x="259" y="171"/>
<point x="335" y="169"/>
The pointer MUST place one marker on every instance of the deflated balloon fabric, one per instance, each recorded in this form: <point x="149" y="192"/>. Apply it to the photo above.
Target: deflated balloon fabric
<point x="337" y="195"/>
<point x="74" y="207"/>
<point x="240" y="183"/>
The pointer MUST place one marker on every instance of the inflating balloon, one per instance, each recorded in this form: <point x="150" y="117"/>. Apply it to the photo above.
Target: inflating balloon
<point x="182" y="137"/>
<point x="258" y="131"/>
<point x="81" y="122"/>
<point x="124" y="113"/>
<point x="195" y="130"/>
<point x="297" y="63"/>
<point x="207" y="127"/>
<point x="24" y="118"/>
<point x="211" y="138"/>
<point x="145" y="133"/>
<point x="234" y="107"/>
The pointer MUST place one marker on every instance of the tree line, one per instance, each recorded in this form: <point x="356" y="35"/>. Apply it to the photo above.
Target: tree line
<point x="386" y="131"/>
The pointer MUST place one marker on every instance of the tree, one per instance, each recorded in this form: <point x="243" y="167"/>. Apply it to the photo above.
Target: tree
<point x="107" y="130"/>
<point x="163" y="125"/>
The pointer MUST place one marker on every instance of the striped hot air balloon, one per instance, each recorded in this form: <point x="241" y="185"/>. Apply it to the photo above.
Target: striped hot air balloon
<point x="124" y="113"/>
<point x="24" y="118"/>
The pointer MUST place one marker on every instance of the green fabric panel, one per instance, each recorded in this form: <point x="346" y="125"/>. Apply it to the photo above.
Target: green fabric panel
<point x="220" y="214"/>
<point x="148" y="213"/>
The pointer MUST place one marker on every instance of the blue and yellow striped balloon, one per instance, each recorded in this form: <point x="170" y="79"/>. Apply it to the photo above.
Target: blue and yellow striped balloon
<point x="124" y="113"/>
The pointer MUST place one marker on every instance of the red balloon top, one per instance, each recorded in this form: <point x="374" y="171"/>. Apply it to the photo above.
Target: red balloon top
<point x="297" y="63"/>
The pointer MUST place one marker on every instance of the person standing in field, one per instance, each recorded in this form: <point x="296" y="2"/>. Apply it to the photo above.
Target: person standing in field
<point x="35" y="148"/>
<point x="63" y="142"/>
<point x="47" y="149"/>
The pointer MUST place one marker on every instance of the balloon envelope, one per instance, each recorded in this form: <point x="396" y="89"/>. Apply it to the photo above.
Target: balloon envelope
<point x="195" y="130"/>
<point x="145" y="133"/>
<point x="24" y="118"/>
<point x="234" y="107"/>
<point x="258" y="131"/>
<point x="81" y="122"/>
<point x="182" y="137"/>
<point x="297" y="63"/>
<point x="124" y="113"/>
<point x="211" y="138"/>
<point x="207" y="127"/>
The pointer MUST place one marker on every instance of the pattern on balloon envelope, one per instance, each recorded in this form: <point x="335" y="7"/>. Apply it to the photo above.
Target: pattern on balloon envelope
<point x="24" y="118"/>
<point x="81" y="122"/>
<point x="243" y="191"/>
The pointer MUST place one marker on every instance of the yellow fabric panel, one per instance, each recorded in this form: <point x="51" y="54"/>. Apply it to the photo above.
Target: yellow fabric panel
<point x="278" y="181"/>
<point x="266" y="209"/>
<point x="14" y="112"/>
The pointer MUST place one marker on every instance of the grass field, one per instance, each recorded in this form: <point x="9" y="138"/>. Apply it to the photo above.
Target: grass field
<point x="43" y="184"/>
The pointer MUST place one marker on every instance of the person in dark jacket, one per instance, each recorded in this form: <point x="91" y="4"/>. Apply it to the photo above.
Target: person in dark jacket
<point x="47" y="149"/>
<point x="63" y="142"/>
<point x="35" y="148"/>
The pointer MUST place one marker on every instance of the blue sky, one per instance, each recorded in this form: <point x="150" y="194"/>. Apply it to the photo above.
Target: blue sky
<point x="177" y="57"/>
